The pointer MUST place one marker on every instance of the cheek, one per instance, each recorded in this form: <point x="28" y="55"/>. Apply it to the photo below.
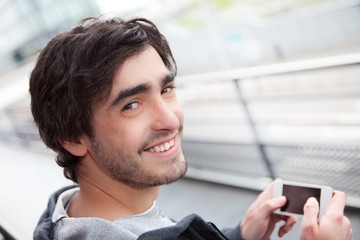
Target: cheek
<point x="118" y="134"/>
<point x="133" y="132"/>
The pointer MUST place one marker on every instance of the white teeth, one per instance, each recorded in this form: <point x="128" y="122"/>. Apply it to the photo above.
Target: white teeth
<point x="164" y="147"/>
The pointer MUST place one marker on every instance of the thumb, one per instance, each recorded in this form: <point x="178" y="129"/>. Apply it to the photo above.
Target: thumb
<point x="311" y="211"/>
<point x="272" y="204"/>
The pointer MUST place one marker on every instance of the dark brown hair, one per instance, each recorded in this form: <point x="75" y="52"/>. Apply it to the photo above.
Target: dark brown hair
<point x="75" y="71"/>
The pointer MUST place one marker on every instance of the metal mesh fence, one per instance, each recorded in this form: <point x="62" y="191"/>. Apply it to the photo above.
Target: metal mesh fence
<point x="333" y="165"/>
<point x="226" y="157"/>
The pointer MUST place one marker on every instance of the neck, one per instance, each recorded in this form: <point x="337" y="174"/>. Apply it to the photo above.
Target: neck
<point x="107" y="198"/>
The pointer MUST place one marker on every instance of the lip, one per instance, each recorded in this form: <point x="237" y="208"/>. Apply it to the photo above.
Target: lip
<point x="173" y="137"/>
<point x="174" y="149"/>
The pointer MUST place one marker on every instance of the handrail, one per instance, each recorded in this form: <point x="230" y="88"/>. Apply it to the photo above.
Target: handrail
<point x="236" y="76"/>
<point x="272" y="69"/>
<point x="9" y="231"/>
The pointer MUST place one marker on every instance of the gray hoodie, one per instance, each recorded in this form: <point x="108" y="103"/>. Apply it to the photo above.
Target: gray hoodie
<point x="55" y="224"/>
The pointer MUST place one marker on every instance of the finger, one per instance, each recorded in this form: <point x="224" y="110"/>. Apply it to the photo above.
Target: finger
<point x="277" y="218"/>
<point x="267" y="193"/>
<point x="288" y="225"/>
<point x="264" y="196"/>
<point x="337" y="202"/>
<point x="350" y="237"/>
<point x="347" y="227"/>
<point x="270" y="205"/>
<point x="311" y="211"/>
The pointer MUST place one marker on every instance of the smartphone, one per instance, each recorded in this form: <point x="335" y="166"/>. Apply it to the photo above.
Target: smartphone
<point x="298" y="193"/>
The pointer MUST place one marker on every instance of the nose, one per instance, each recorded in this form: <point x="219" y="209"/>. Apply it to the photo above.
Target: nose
<point x="166" y="116"/>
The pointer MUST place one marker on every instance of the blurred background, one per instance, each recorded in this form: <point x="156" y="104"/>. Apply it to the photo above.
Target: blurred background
<point x="217" y="34"/>
<point x="270" y="88"/>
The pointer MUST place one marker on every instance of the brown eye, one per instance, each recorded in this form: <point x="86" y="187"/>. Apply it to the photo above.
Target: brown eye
<point x="167" y="89"/>
<point x="131" y="106"/>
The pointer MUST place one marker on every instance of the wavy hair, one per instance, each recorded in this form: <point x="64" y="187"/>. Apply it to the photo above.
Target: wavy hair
<point x="75" y="71"/>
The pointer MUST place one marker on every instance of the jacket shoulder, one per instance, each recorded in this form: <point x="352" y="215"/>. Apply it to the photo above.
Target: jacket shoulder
<point x="192" y="227"/>
<point x="44" y="228"/>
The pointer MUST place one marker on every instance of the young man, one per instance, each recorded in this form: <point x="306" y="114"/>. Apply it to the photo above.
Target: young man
<point x="103" y="98"/>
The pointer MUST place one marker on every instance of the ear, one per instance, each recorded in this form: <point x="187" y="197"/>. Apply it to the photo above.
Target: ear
<point x="77" y="148"/>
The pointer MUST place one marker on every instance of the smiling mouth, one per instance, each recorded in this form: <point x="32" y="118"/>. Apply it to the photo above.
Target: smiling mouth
<point x="162" y="147"/>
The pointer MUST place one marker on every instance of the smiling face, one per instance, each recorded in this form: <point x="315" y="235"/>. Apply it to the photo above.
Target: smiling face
<point x="137" y="130"/>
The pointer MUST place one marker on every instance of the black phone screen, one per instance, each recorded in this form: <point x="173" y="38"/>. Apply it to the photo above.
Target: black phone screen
<point x="297" y="196"/>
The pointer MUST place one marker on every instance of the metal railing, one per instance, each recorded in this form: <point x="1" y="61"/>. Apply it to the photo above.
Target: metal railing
<point x="254" y="163"/>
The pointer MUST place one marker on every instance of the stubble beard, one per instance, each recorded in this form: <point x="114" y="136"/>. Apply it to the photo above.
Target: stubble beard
<point x="125" y="167"/>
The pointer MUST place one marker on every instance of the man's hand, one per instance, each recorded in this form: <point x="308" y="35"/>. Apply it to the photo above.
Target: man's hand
<point x="332" y="225"/>
<point x="260" y="221"/>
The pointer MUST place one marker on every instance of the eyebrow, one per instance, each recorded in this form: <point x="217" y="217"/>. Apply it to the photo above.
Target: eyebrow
<point x="141" y="88"/>
<point x="122" y="95"/>
<point x="167" y="79"/>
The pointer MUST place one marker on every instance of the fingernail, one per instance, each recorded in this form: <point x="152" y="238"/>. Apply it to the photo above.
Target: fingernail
<point x="281" y="200"/>
<point x="311" y="202"/>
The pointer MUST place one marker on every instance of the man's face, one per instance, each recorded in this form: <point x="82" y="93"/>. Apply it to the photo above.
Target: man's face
<point x="137" y="131"/>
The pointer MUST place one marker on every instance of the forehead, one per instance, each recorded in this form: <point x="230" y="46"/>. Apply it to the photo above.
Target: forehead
<point x="144" y="67"/>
